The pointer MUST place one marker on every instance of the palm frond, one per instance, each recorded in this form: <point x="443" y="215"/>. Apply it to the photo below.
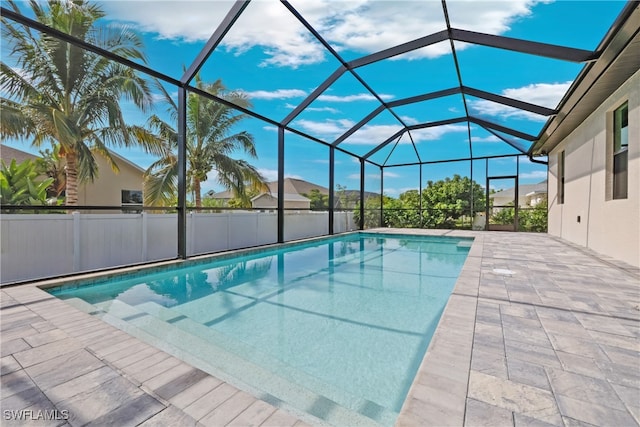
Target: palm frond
<point x="160" y="186"/>
<point x="15" y="123"/>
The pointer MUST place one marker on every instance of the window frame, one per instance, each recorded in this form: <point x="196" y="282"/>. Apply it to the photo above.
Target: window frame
<point x="561" y="177"/>
<point x="620" y="152"/>
<point x="123" y="203"/>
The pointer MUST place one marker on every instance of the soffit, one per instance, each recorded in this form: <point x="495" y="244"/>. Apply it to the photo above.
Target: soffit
<point x="619" y="61"/>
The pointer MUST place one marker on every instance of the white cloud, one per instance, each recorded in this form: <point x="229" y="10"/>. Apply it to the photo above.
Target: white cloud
<point x="370" y="26"/>
<point x="534" y="175"/>
<point x="437" y="132"/>
<point x="364" y="26"/>
<point x="490" y="138"/>
<point x="318" y="109"/>
<point x="372" y="134"/>
<point x="391" y="174"/>
<point x="275" y="94"/>
<point x="272" y="174"/>
<point x="328" y="128"/>
<point x="353" y="98"/>
<point x="409" y="120"/>
<point x="543" y="94"/>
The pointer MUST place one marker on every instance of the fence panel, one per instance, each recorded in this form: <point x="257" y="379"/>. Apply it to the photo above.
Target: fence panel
<point x="35" y="246"/>
<point x="343" y="222"/>
<point x="49" y="245"/>
<point x="207" y="232"/>
<point x="162" y="236"/>
<point x="110" y="240"/>
<point x="298" y="225"/>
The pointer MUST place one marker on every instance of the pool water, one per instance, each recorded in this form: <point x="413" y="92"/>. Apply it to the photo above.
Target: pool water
<point x="336" y="328"/>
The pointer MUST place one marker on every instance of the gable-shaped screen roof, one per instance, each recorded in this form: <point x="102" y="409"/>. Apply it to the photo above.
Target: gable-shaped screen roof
<point x="474" y="79"/>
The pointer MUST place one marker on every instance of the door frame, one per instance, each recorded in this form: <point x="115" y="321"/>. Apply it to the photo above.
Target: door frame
<point x="505" y="227"/>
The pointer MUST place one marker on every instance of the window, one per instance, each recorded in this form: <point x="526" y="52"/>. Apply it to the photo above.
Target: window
<point x="620" y="151"/>
<point x="131" y="197"/>
<point x="561" y="178"/>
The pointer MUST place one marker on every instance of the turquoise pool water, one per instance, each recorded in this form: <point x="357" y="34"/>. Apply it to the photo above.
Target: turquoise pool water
<point x="336" y="328"/>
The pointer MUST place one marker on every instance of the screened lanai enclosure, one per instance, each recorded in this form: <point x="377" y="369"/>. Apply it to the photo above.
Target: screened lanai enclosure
<point x="171" y="129"/>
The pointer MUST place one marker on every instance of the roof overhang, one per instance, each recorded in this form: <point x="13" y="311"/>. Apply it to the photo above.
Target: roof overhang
<point x="618" y="61"/>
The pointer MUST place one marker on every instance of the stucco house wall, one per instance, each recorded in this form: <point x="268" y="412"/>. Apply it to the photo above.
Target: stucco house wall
<point x="106" y="189"/>
<point x="589" y="216"/>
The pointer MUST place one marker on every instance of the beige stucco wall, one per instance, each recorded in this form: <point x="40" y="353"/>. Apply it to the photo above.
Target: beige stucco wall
<point x="610" y="227"/>
<point x="106" y="189"/>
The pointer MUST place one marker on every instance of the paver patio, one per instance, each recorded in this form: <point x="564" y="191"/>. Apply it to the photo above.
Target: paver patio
<point x="537" y="332"/>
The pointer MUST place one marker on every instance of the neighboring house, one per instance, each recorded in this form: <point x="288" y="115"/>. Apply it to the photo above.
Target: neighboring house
<point x="291" y="201"/>
<point x="222" y="196"/>
<point x="111" y="188"/>
<point x="293" y="194"/>
<point x="294" y="189"/>
<point x="296" y="186"/>
<point x="9" y="153"/>
<point x="529" y="195"/>
<point x="108" y="189"/>
<point x="593" y="147"/>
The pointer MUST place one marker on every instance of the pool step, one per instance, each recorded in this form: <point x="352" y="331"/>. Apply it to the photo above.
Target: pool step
<point x="464" y="244"/>
<point x="82" y="305"/>
<point x="182" y="339"/>
<point x="278" y="382"/>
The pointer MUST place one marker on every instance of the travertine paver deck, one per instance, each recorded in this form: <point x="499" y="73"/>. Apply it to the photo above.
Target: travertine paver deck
<point x="537" y="332"/>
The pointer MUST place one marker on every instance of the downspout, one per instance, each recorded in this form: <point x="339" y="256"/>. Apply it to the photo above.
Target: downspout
<point x="541" y="162"/>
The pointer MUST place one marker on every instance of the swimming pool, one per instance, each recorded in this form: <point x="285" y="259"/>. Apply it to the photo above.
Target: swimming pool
<point x="336" y="327"/>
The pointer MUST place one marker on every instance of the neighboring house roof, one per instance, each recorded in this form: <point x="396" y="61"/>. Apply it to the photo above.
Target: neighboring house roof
<point x="297" y="186"/>
<point x="119" y="158"/>
<point x="288" y="197"/>
<point x="8" y="153"/>
<point x="222" y="195"/>
<point x="291" y="186"/>
<point x="294" y="186"/>
<point x="525" y="189"/>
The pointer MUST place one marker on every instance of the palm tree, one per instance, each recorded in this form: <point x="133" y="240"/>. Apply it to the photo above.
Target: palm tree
<point x="67" y="96"/>
<point x="210" y="143"/>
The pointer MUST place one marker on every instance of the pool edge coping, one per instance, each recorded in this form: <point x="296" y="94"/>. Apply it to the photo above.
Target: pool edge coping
<point x="438" y="393"/>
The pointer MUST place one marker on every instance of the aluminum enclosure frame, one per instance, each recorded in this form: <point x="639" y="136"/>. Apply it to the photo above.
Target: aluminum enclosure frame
<point x="451" y="34"/>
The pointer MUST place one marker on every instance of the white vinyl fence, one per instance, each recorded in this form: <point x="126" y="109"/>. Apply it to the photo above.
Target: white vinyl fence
<point x="48" y="245"/>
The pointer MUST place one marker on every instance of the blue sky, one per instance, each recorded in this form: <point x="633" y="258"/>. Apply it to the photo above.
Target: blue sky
<point x="270" y="57"/>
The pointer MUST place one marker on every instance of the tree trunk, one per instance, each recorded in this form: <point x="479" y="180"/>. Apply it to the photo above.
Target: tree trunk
<point x="71" y="170"/>
<point x="196" y="190"/>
